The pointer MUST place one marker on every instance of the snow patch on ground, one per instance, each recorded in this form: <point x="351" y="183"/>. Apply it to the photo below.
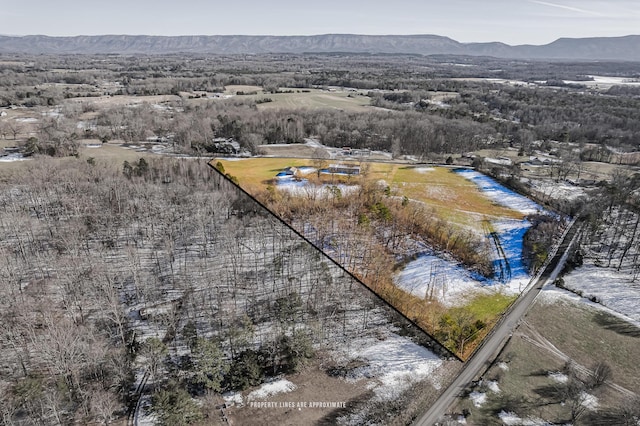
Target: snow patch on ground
<point x="503" y="366"/>
<point x="612" y="288"/>
<point x="233" y="398"/>
<point x="552" y="294"/>
<point x="511" y="235"/>
<point x="306" y="170"/>
<point x="313" y="143"/>
<point x="9" y="158"/>
<point x="143" y="417"/>
<point x="493" y="386"/>
<point x="589" y="401"/>
<point x="559" y="377"/>
<point x="451" y="284"/>
<point x="396" y="362"/>
<point x="272" y="388"/>
<point x="302" y="188"/>
<point x="510" y="418"/>
<point x="500" y="194"/>
<point x="423" y="169"/>
<point x="558" y="190"/>
<point x="478" y="398"/>
<point x="431" y="276"/>
<point x="503" y="161"/>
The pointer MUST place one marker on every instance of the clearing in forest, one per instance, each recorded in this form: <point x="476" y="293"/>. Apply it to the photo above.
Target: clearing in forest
<point x="443" y="246"/>
<point x="295" y="99"/>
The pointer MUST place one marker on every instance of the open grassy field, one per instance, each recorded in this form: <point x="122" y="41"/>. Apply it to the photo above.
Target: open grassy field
<point x="293" y="150"/>
<point x="566" y="323"/>
<point x="110" y="153"/>
<point x="305" y="99"/>
<point x="555" y="329"/>
<point x="120" y="100"/>
<point x="485" y="306"/>
<point x="317" y="99"/>
<point x="233" y="89"/>
<point x="452" y="197"/>
<point x="253" y="172"/>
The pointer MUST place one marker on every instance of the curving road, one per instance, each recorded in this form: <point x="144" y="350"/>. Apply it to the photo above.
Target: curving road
<point x="490" y="348"/>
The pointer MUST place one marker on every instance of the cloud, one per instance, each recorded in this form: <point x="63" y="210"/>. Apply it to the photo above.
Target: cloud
<point x="562" y="6"/>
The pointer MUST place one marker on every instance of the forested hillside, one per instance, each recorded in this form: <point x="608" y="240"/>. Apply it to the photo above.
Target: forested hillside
<point x="611" y="48"/>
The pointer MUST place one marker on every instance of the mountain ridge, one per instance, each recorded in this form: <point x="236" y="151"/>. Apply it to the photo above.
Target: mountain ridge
<point x="624" y="48"/>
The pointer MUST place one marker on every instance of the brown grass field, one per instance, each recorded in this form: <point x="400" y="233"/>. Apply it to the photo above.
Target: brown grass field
<point x="453" y="197"/>
<point x="314" y="99"/>
<point x="583" y="333"/>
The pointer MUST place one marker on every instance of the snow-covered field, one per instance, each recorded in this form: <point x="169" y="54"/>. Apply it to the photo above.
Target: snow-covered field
<point x="558" y="190"/>
<point x="606" y="81"/>
<point x="500" y="194"/>
<point x="614" y="289"/>
<point x="503" y="161"/>
<point x="552" y="294"/>
<point x="511" y="234"/>
<point x="430" y="276"/>
<point x="302" y="188"/>
<point x="396" y="363"/>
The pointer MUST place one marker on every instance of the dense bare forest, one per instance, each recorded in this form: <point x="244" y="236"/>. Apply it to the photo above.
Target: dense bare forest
<point x="163" y="282"/>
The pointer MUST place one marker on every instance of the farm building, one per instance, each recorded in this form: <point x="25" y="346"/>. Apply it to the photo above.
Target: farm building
<point x="341" y="169"/>
<point x="346" y="151"/>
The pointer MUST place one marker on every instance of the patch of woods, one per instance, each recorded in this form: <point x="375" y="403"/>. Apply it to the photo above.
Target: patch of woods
<point x="612" y="226"/>
<point x="372" y="233"/>
<point x="539" y="239"/>
<point x="611" y="229"/>
<point x="156" y="278"/>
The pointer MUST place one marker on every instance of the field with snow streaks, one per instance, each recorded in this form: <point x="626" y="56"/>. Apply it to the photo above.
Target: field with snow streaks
<point x="614" y="289"/>
<point x="432" y="276"/>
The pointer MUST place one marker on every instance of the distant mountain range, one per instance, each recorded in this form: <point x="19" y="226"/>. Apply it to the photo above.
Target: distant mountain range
<point x="625" y="48"/>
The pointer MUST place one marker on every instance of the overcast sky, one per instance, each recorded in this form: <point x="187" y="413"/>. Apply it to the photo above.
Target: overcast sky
<point x="508" y="21"/>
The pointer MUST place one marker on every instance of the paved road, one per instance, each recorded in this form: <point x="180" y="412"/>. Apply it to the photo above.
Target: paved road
<point x="490" y="348"/>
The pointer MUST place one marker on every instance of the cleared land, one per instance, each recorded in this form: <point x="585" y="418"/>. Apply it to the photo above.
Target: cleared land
<point x="314" y="99"/>
<point x="528" y="376"/>
<point x="450" y="195"/>
<point x="453" y="196"/>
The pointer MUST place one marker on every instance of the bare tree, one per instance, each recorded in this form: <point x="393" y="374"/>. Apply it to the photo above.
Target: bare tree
<point x="601" y="374"/>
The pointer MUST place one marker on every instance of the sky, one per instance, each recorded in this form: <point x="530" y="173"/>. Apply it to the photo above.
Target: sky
<point x="508" y="21"/>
